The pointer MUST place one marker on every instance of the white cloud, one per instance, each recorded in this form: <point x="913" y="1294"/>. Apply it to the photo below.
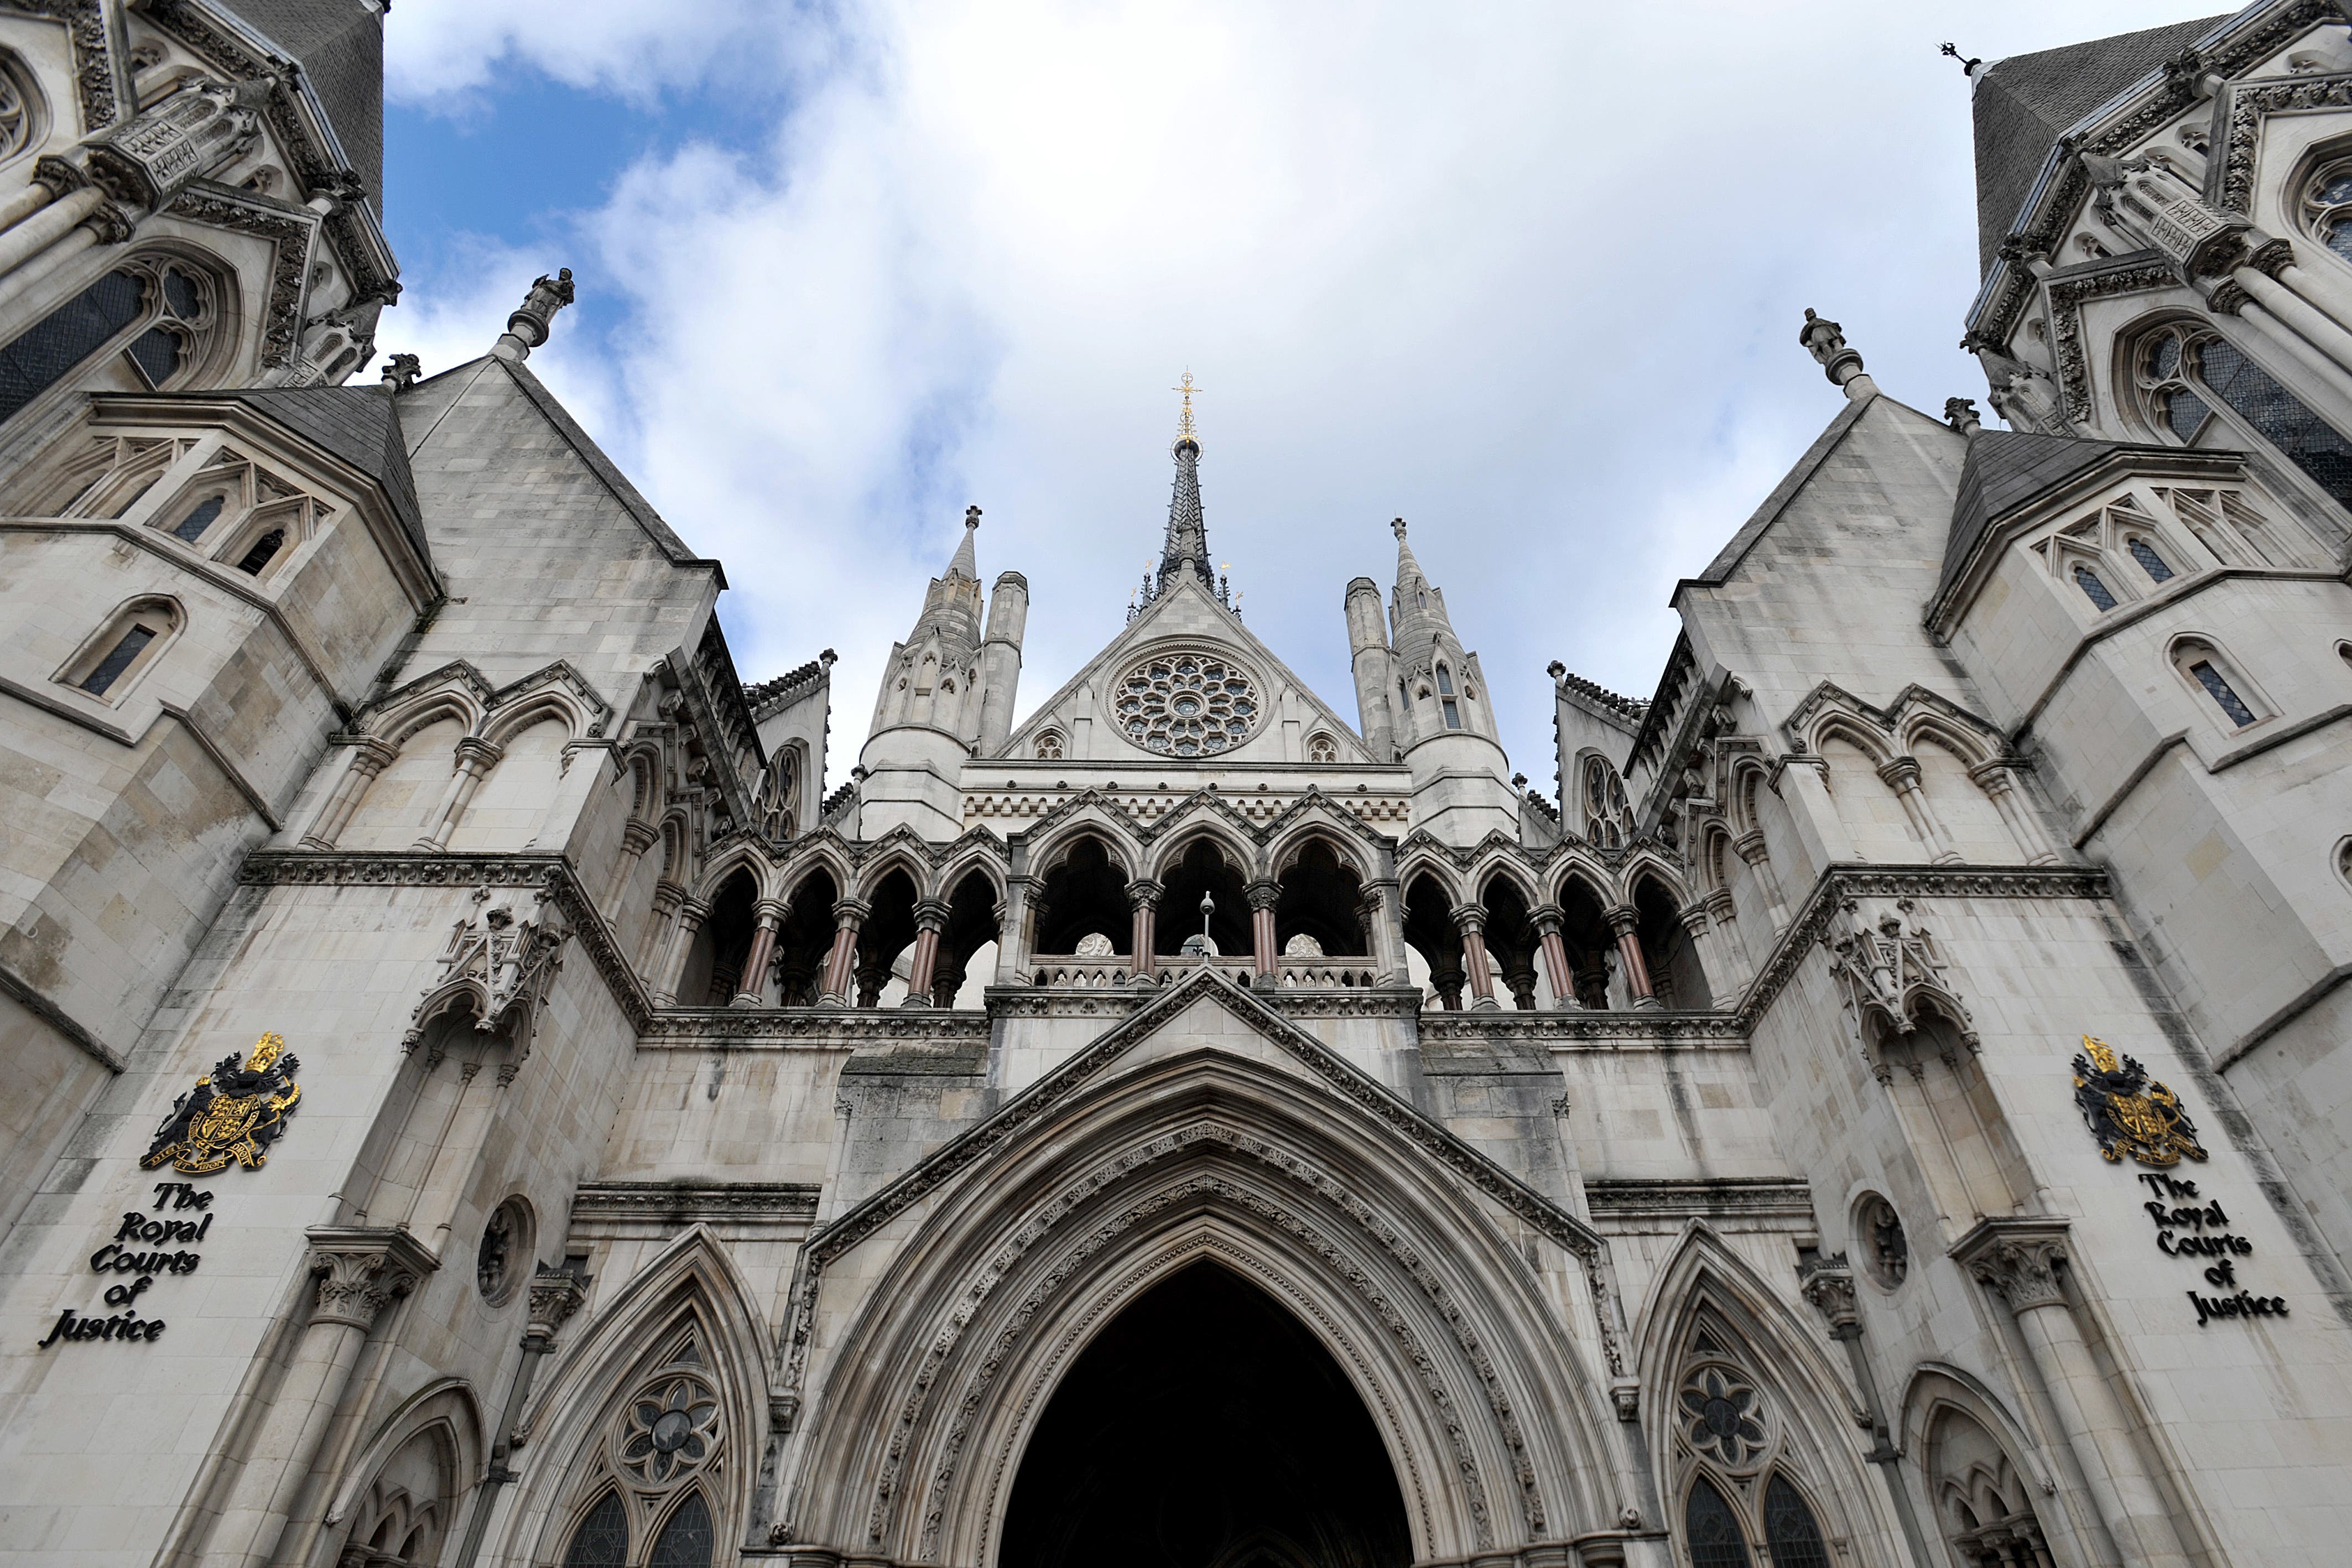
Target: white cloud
<point x="438" y="50"/>
<point x="1528" y="275"/>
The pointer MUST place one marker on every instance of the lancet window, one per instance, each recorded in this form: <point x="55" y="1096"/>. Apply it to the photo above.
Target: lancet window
<point x="123" y="649"/>
<point x="2185" y="377"/>
<point x="1446" y="698"/>
<point x="2202" y="663"/>
<point x="159" y="314"/>
<point x="1743" y="1501"/>
<point x="642" y="1503"/>
<point x="1608" y="815"/>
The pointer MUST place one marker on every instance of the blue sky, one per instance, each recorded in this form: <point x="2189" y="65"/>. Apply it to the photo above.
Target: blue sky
<point x="1528" y="275"/>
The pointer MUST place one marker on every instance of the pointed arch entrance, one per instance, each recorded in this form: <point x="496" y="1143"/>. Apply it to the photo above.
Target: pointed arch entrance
<point x="1205" y="1427"/>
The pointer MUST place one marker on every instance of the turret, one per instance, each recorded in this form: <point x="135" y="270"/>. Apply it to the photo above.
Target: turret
<point x="927" y="715"/>
<point x="1375" y="667"/>
<point x="1461" y="778"/>
<point x="1000" y="661"/>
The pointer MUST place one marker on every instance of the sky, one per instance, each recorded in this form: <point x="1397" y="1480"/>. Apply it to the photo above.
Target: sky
<point x="1528" y="275"/>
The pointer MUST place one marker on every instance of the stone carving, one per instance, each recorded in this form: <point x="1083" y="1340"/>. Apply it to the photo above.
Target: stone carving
<point x="183" y="139"/>
<point x="1828" y="1284"/>
<point x="233" y="1114"/>
<point x="361" y="1271"/>
<point x="93" y="63"/>
<point x="2128" y="1112"/>
<point x="290" y="231"/>
<point x="2021" y="1270"/>
<point x="501" y="964"/>
<point x="1825" y="340"/>
<point x="1721" y="1415"/>
<point x="534" y="318"/>
<point x="1187" y="702"/>
<point x="555" y="1295"/>
<point x="1886" y="967"/>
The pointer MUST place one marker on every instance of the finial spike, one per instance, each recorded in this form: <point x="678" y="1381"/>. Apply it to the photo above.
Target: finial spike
<point x="1185" y="430"/>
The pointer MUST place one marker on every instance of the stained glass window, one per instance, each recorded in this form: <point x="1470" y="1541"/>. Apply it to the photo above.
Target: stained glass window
<point x="67" y="336"/>
<point x="1791" y="1536"/>
<point x="2093" y="589"/>
<point x="602" y="1541"/>
<point x="1710" y="1529"/>
<point x="264" y="551"/>
<point x="2218" y="688"/>
<point x="685" y="1542"/>
<point x="118" y="659"/>
<point x="2308" y="442"/>
<point x="2150" y="561"/>
<point x="200" y="517"/>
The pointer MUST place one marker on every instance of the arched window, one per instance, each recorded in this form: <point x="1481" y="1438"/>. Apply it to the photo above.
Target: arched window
<point x="685" y="1540"/>
<point x="2186" y="373"/>
<point x="1446" y="698"/>
<point x="2150" y="561"/>
<point x="1322" y="749"/>
<point x="265" y="549"/>
<point x="198" y="517"/>
<point x="1790" y="1535"/>
<point x="1049" y="745"/>
<point x="2214" y="675"/>
<point x="159" y="314"/>
<point x="1710" y="1529"/>
<point x="601" y="1538"/>
<point x="2093" y="589"/>
<point x="22" y="111"/>
<point x="110" y="663"/>
<point x="1608" y="815"/>
<point x="2328" y="207"/>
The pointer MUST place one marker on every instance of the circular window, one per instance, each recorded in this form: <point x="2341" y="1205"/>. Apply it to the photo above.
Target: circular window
<point x="1878" y="1237"/>
<point x="1184" y="702"/>
<point x="504" y="1256"/>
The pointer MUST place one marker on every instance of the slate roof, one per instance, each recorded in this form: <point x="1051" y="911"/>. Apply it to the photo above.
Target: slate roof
<point x="2024" y="103"/>
<point x="358" y="426"/>
<point x="2005" y="469"/>
<point x="341" y="46"/>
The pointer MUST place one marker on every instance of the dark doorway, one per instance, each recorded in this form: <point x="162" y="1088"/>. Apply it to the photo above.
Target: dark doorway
<point x="1205" y="1428"/>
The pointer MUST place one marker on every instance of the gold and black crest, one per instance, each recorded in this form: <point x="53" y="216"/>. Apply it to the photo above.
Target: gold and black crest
<point x="234" y="1113"/>
<point x="2130" y="1112"/>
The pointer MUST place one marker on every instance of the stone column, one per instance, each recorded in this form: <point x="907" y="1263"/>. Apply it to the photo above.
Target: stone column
<point x="637" y="838"/>
<point x="1902" y="776"/>
<point x="555" y="1295"/>
<point x="922" y="970"/>
<point x="691" y="913"/>
<point x="475" y="758"/>
<point x="360" y="1273"/>
<point x="1548" y="919"/>
<point x="452" y="1167"/>
<point x="370" y="757"/>
<point x="1720" y="910"/>
<point x="1997" y="779"/>
<point x="1012" y="930"/>
<point x="1721" y="993"/>
<point x="1378" y="904"/>
<point x="1143" y="897"/>
<point x="848" y="915"/>
<point x="1828" y="1284"/>
<point x="751" y="986"/>
<point x="1625" y="921"/>
<point x="1262" y="897"/>
<point x="1470" y="920"/>
<point x="1749" y="846"/>
<point x="58" y="232"/>
<point x="2018" y="1259"/>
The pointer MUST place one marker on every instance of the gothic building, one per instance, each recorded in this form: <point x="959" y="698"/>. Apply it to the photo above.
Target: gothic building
<point x="469" y="1096"/>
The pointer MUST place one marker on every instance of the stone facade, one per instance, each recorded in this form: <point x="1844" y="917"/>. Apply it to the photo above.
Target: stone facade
<point x="471" y="1096"/>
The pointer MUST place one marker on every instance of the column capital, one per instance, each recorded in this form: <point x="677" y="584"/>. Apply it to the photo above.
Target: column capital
<point x="1144" y="893"/>
<point x="1995" y="774"/>
<point x="1623" y="919"/>
<point x="1718" y="906"/>
<point x="361" y="1269"/>
<point x="849" y="912"/>
<point x="637" y="837"/>
<point x="481" y="755"/>
<point x="1548" y="919"/>
<point x="692" y="911"/>
<point x="1828" y="1283"/>
<point x="555" y="1295"/>
<point x="1263" y="895"/>
<point x="2016" y="1258"/>
<point x="1749" y="846"/>
<point x="931" y="914"/>
<point x="1470" y="919"/>
<point x="371" y="754"/>
<point x="1900" y="773"/>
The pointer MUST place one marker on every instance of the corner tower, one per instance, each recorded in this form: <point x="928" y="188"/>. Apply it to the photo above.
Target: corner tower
<point x="1445" y="725"/>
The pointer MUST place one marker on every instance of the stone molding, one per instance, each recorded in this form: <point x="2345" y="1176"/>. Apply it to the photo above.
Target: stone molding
<point x="682" y="1204"/>
<point x="2016" y="1259"/>
<point x="1670" y="1200"/>
<point x="1650" y="1028"/>
<point x="287" y="229"/>
<point x="363" y="1269"/>
<point x="843" y="1029"/>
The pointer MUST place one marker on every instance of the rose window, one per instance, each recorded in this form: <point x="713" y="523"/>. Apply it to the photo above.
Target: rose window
<point x="1720" y="1416"/>
<point x="1187" y="704"/>
<point x="671" y="1428"/>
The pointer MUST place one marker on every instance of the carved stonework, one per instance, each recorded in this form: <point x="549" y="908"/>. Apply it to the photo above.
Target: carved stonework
<point x="289" y="229"/>
<point x="501" y="963"/>
<point x="1828" y="1284"/>
<point x="361" y="1270"/>
<point x="1886" y="967"/>
<point x="2017" y="1260"/>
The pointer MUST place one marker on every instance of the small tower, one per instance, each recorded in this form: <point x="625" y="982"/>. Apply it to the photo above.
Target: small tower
<point x="1374" y="664"/>
<point x="1187" y="546"/>
<point x="1446" y="723"/>
<point x="928" y="715"/>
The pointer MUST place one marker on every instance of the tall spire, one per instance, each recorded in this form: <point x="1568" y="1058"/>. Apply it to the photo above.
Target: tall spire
<point x="966" y="563"/>
<point x="1188" y="538"/>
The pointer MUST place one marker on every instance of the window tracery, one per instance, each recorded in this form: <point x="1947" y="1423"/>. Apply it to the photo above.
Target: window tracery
<point x="2328" y="207"/>
<point x="159" y="313"/>
<point x="1322" y="749"/>
<point x="2186" y="375"/>
<point x="645" y="1492"/>
<point x="1049" y="745"/>
<point x="1188" y="703"/>
<point x="20" y="106"/>
<point x="1608" y="815"/>
<point x="1742" y="1502"/>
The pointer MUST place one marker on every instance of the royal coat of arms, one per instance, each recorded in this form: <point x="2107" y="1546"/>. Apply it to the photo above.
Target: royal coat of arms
<point x="2130" y="1112"/>
<point x="234" y="1113"/>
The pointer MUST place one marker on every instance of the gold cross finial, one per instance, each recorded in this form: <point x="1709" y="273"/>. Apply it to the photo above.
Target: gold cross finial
<point x="1184" y="430"/>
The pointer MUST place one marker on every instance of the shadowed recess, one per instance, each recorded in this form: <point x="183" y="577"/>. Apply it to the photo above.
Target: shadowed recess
<point x="1205" y="1427"/>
